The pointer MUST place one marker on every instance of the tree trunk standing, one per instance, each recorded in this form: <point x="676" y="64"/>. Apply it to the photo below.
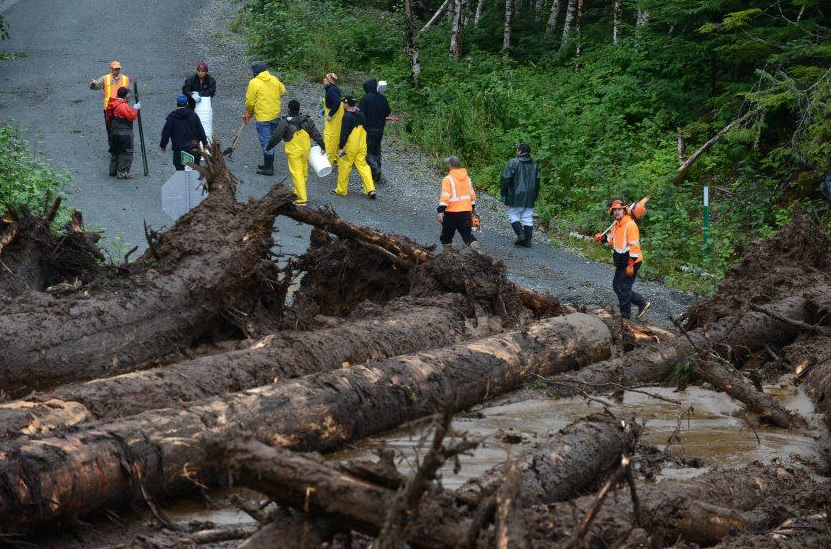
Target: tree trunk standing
<point x="456" y="38"/>
<point x="479" y="5"/>
<point x="551" y="27"/>
<point x="578" y="29"/>
<point x="617" y="16"/>
<point x="212" y="260"/>
<point x="407" y="328"/>
<point x="571" y="11"/>
<point x="106" y="464"/>
<point x="538" y="8"/>
<point x="506" y="33"/>
<point x="572" y="462"/>
<point x="411" y="45"/>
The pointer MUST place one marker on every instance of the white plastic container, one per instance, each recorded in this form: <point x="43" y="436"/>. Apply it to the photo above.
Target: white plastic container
<point x="206" y="116"/>
<point x="381" y="87"/>
<point x="319" y="162"/>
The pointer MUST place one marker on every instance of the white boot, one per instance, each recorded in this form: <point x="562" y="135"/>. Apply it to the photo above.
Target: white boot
<point x="476" y="247"/>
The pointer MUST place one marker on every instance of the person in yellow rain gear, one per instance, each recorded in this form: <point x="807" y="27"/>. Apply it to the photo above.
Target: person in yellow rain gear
<point x="352" y="150"/>
<point x="297" y="130"/>
<point x="262" y="102"/>
<point x="332" y="111"/>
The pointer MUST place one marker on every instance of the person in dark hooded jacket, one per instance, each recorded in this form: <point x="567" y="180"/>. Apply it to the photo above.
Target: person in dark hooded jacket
<point x="520" y="187"/>
<point x="376" y="109"/>
<point x="184" y="129"/>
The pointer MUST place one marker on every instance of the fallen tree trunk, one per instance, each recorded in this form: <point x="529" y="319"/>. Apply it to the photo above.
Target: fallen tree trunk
<point x="407" y="327"/>
<point x="571" y="462"/>
<point x="401" y="247"/>
<point x="730" y="336"/>
<point x="153" y="453"/>
<point x="702" y="511"/>
<point x="213" y="260"/>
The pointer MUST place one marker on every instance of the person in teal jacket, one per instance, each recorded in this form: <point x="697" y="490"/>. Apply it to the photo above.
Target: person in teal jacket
<point x="520" y="187"/>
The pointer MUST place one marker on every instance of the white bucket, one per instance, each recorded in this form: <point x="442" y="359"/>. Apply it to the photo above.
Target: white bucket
<point x="319" y="162"/>
<point x="206" y="116"/>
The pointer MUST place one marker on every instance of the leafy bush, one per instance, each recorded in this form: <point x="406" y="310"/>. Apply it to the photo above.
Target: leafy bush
<point x="26" y="179"/>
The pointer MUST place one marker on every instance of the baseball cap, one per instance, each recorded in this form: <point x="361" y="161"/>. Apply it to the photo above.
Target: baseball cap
<point x="115" y="65"/>
<point x="181" y="100"/>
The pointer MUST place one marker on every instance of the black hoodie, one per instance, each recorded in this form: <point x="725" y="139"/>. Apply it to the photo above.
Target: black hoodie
<point x="183" y="127"/>
<point x="375" y="107"/>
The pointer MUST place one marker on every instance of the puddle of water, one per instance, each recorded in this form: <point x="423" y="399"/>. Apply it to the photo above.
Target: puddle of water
<point x="707" y="423"/>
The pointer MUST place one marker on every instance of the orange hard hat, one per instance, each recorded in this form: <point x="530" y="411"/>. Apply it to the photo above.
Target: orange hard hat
<point x="616" y="203"/>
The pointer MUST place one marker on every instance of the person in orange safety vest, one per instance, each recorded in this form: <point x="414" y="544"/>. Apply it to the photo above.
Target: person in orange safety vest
<point x="110" y="84"/>
<point x="624" y="236"/>
<point x="457" y="203"/>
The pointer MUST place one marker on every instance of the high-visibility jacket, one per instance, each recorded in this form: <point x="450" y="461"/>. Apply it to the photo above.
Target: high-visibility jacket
<point x="625" y="238"/>
<point x="111" y="85"/>
<point x="457" y="192"/>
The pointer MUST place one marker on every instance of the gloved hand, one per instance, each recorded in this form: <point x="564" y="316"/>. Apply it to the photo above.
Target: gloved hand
<point x="137" y="106"/>
<point x="328" y="118"/>
<point x="600" y="237"/>
<point x="246" y="117"/>
<point x="440" y="217"/>
<point x="630" y="268"/>
<point x="341" y="152"/>
<point x="322" y="112"/>
<point x="196" y="97"/>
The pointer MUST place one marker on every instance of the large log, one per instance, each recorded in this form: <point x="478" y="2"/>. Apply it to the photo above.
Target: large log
<point x="213" y="260"/>
<point x="730" y="337"/>
<point x="566" y="465"/>
<point x="107" y="464"/>
<point x="571" y="462"/>
<point x="409" y="326"/>
<point x="403" y="248"/>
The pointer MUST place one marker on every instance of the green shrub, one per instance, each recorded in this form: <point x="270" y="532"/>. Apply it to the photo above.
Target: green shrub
<point x="27" y="179"/>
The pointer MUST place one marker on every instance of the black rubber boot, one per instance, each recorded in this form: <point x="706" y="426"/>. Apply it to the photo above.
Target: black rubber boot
<point x="517" y="227"/>
<point x="268" y="167"/>
<point x="529" y="232"/>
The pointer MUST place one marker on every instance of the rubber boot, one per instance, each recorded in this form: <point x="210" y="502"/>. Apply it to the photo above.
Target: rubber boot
<point x="446" y="247"/>
<point x="476" y="247"/>
<point x="517" y="227"/>
<point x="529" y="232"/>
<point x="268" y="168"/>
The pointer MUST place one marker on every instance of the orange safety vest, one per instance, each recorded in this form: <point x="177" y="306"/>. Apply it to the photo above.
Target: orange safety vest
<point x="111" y="86"/>
<point x="626" y="237"/>
<point x="457" y="195"/>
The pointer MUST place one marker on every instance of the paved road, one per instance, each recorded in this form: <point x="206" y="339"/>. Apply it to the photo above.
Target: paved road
<point x="47" y="92"/>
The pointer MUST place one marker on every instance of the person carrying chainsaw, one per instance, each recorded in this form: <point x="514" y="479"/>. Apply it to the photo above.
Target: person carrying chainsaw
<point x="457" y="204"/>
<point x="297" y="130"/>
<point x="624" y="236"/>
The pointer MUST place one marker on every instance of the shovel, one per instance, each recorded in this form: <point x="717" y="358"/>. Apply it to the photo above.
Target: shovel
<point x="229" y="152"/>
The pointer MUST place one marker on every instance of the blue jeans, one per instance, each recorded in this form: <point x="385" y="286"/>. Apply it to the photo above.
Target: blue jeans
<point x="264" y="131"/>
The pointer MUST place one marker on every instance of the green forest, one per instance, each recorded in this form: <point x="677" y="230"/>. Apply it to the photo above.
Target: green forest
<point x="617" y="98"/>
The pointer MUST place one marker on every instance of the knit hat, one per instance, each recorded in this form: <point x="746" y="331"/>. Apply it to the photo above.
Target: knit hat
<point x="349" y="100"/>
<point x="332" y="77"/>
<point x="115" y="65"/>
<point x="182" y="100"/>
<point x="202" y="66"/>
<point x="257" y="67"/>
<point x="294" y="106"/>
<point x="453" y="161"/>
<point x="122" y="92"/>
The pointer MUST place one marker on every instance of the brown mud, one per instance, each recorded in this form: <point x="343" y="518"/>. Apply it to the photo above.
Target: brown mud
<point x="217" y="267"/>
